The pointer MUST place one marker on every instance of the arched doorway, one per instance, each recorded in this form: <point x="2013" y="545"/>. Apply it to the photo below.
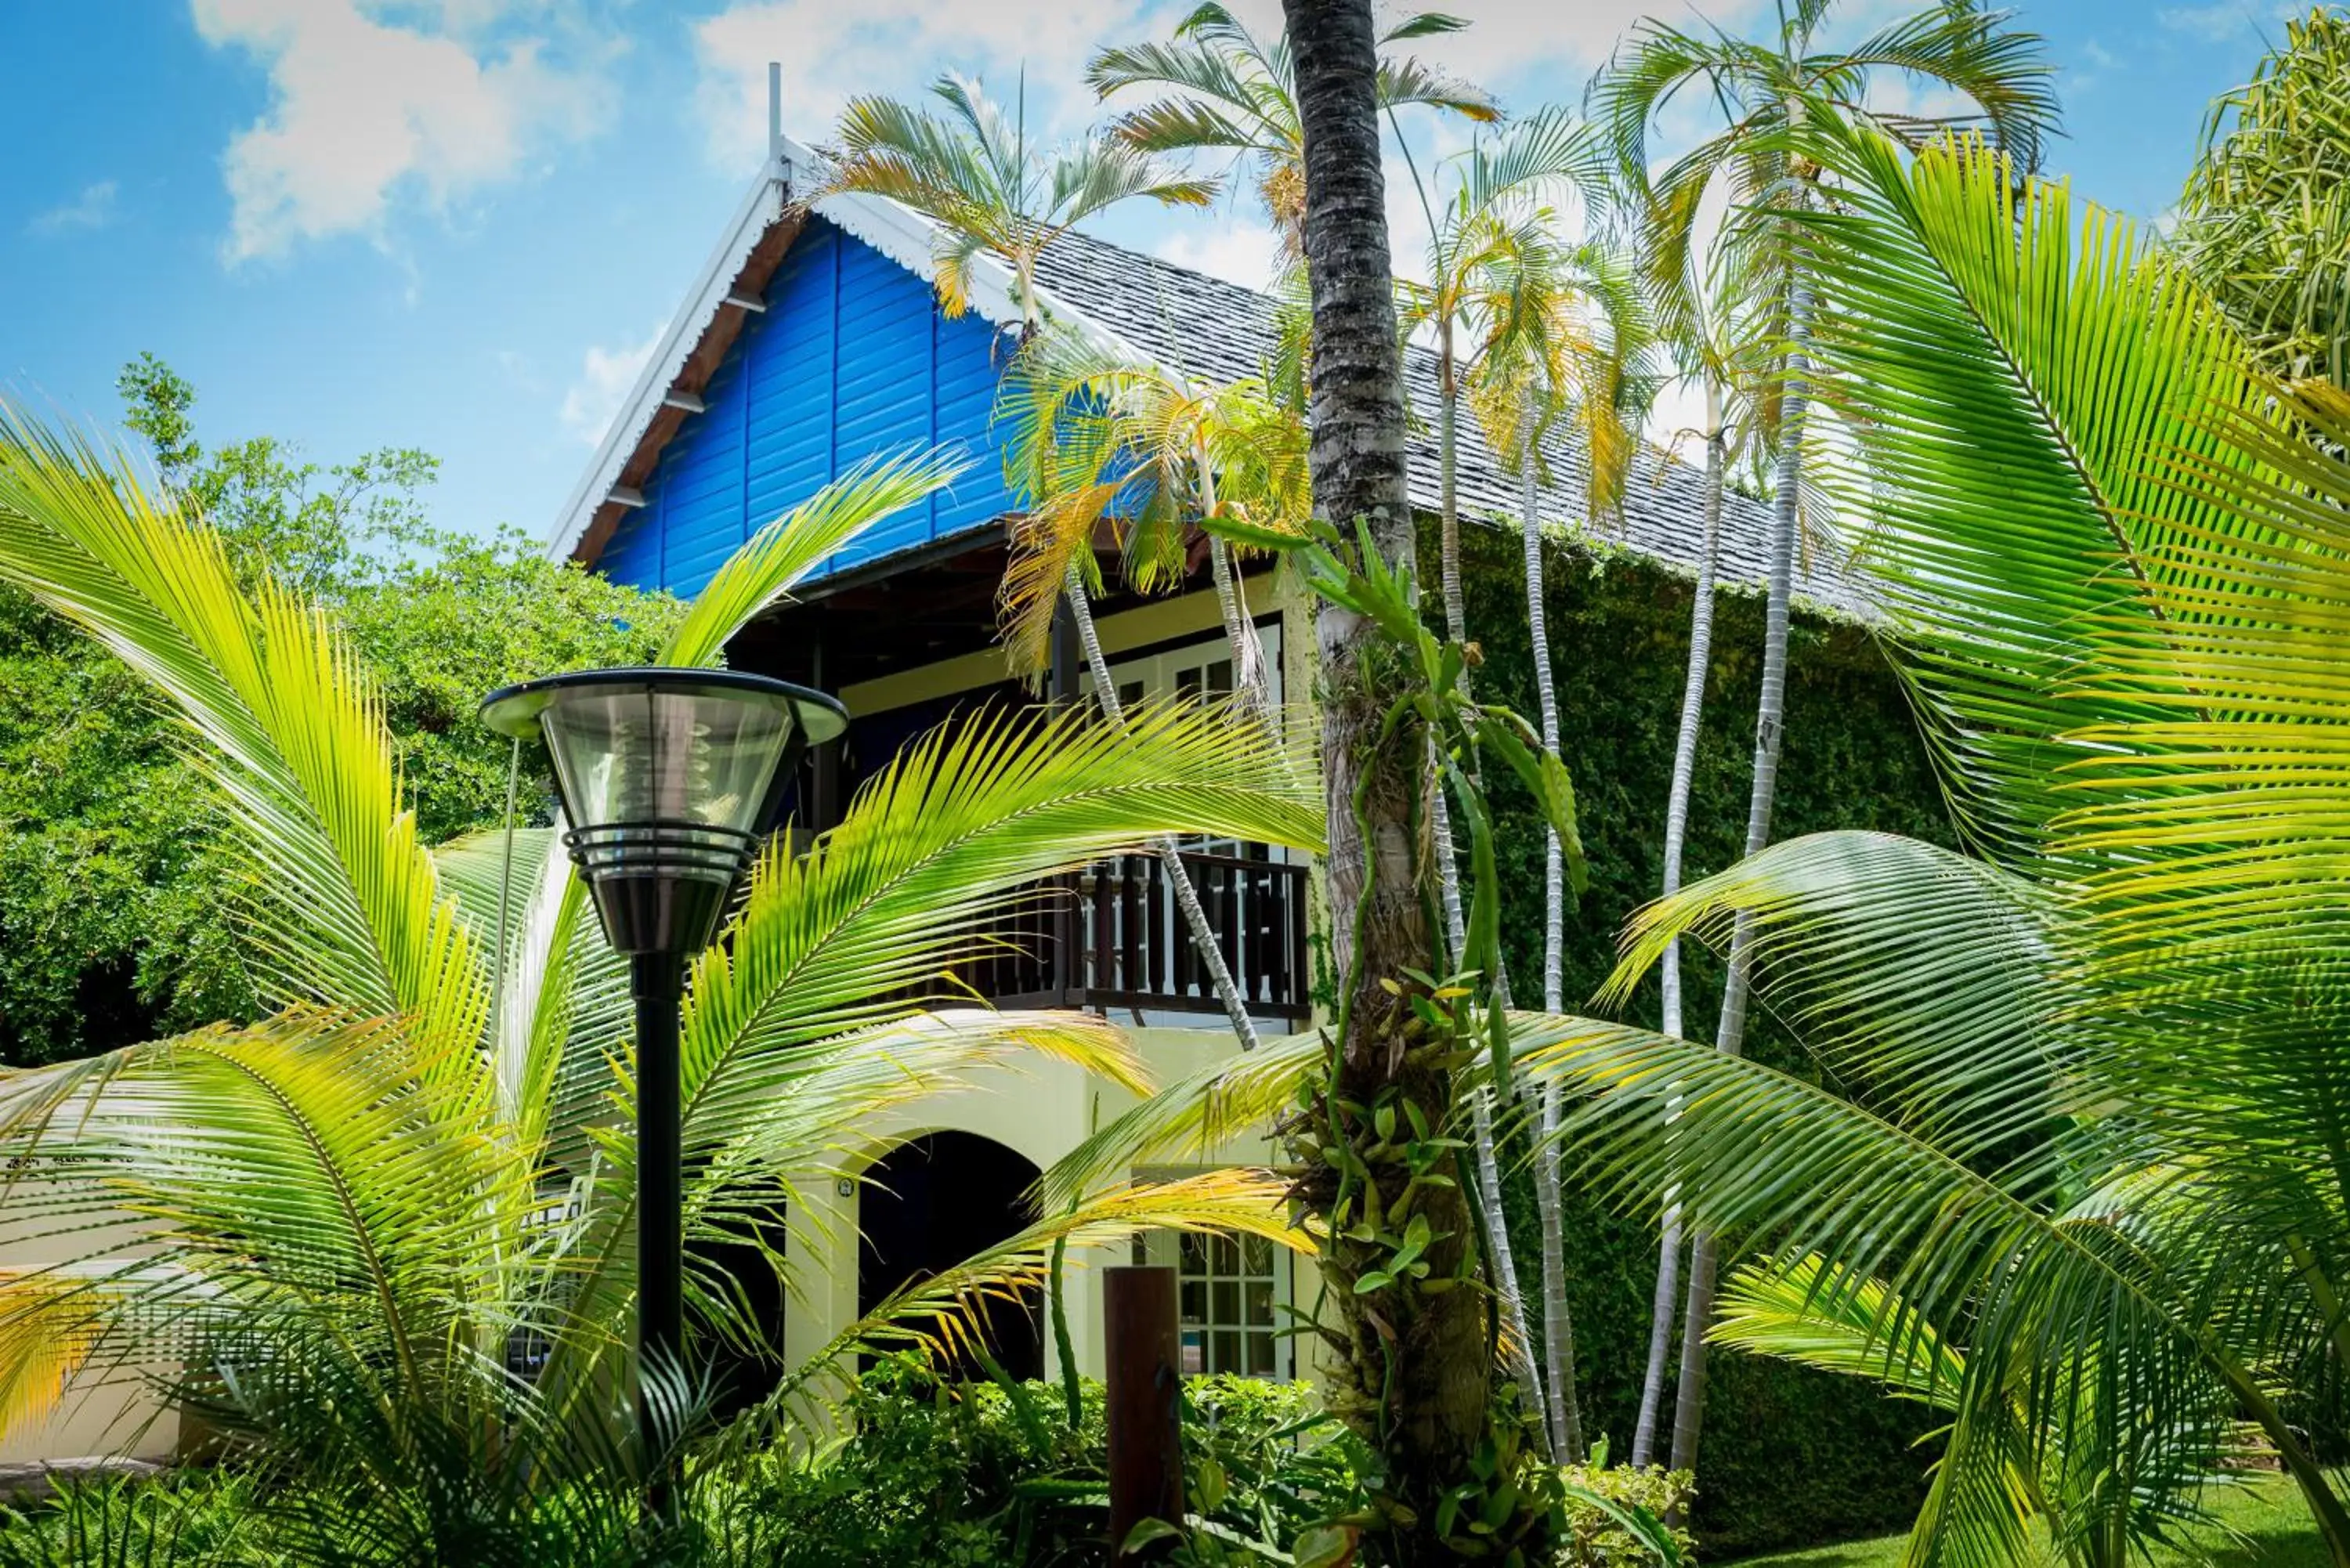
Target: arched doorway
<point x="931" y="1203"/>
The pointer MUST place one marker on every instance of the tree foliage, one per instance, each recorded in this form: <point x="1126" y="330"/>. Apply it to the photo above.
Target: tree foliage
<point x="384" y="1236"/>
<point x="112" y="852"/>
<point x="2265" y="220"/>
<point x="2075" y="1117"/>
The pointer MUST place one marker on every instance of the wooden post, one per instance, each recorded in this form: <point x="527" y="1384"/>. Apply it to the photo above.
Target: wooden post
<point x="1144" y="1403"/>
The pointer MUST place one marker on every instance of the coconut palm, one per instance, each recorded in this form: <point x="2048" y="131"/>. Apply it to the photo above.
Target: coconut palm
<point x="1235" y="92"/>
<point x="974" y="174"/>
<point x="2076" y="1115"/>
<point x="386" y="1235"/>
<point x="1762" y="89"/>
<point x="1423" y="1396"/>
<point x="1565" y="341"/>
<point x="1104" y="440"/>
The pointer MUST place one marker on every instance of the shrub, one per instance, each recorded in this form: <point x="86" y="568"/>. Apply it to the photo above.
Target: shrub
<point x="995" y="1474"/>
<point x="1597" y="1538"/>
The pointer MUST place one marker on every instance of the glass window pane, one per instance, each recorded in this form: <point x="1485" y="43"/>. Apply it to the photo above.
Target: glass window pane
<point x="1195" y="1354"/>
<point x="1259" y="1253"/>
<point x="1228" y="1256"/>
<point x="1225" y="1305"/>
<point x="1260" y="1303"/>
<point x="1195" y="1253"/>
<point x="1228" y="1350"/>
<point x="1259" y="1355"/>
<point x="1195" y="1301"/>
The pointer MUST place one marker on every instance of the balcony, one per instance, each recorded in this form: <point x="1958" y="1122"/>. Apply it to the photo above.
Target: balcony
<point x="1110" y="938"/>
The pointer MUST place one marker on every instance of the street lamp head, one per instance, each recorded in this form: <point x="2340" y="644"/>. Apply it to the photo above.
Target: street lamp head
<point x="669" y="778"/>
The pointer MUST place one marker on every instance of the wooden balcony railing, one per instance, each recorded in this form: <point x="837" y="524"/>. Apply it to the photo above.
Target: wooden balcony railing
<point x="1111" y="937"/>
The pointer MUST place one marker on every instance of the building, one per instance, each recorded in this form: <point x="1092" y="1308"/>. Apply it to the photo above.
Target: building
<point x="812" y="339"/>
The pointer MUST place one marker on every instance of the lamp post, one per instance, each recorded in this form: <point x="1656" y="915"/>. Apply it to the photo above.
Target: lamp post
<point x="669" y="779"/>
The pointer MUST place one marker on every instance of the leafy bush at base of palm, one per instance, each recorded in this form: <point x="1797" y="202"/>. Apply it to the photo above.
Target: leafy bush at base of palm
<point x="1598" y="1539"/>
<point x="998" y="1474"/>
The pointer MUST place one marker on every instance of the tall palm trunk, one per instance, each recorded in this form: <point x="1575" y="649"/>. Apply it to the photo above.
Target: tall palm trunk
<point x="1689" y="1407"/>
<point x="1179" y="879"/>
<point x="1517" y="1335"/>
<point x="1417" y="1391"/>
<point x="1249" y="677"/>
<point x="1677" y="799"/>
<point x="1496" y="1220"/>
<point x="1448" y="458"/>
<point x="1563" y="1408"/>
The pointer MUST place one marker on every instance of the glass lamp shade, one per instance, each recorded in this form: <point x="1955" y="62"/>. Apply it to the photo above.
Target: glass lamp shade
<point x="668" y="779"/>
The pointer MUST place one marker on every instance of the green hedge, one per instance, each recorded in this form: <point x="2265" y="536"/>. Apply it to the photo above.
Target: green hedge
<point x="1789" y="1456"/>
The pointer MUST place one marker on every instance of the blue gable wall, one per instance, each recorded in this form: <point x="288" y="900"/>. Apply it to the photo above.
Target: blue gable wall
<point x="851" y="356"/>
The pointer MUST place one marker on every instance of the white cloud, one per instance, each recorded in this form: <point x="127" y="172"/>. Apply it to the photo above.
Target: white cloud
<point x="93" y="209"/>
<point x="1234" y="247"/>
<point x="833" y="50"/>
<point x="605" y="376"/>
<point x="365" y="114"/>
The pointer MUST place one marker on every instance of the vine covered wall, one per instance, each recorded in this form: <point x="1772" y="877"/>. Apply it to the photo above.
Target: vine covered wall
<point x="1789" y="1456"/>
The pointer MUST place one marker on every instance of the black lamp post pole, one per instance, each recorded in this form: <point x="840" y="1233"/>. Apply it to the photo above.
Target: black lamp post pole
<point x="657" y="983"/>
<point x="669" y="778"/>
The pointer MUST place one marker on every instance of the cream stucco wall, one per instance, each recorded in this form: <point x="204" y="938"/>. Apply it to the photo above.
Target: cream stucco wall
<point x="1043" y="1111"/>
<point x="107" y="1410"/>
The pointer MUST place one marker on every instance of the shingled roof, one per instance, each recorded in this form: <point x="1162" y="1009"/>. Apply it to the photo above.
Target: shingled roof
<point x="1186" y="321"/>
<point x="1220" y="331"/>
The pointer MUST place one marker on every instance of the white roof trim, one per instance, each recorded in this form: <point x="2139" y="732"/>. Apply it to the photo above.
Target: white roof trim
<point x="762" y="206"/>
<point x="898" y="232"/>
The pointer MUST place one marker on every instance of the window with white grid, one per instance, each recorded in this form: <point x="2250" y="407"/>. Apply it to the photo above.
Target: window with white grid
<point x="1226" y="1291"/>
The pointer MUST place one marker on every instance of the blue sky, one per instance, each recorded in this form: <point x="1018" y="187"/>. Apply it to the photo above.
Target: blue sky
<point x="459" y="224"/>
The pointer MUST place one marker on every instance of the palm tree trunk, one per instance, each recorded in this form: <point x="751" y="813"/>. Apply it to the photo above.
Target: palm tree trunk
<point x="1677" y="797"/>
<point x="1562" y="1406"/>
<point x="1497" y="1221"/>
<point x="1179" y="880"/>
<point x="1249" y="678"/>
<point x="1420" y="1397"/>
<point x="1770" y="716"/>
<point x="1448" y="437"/>
<point x="1518" y="1336"/>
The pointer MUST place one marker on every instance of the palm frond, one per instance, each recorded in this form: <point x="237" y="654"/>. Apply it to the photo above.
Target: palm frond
<point x="346" y="910"/>
<point x="779" y="555"/>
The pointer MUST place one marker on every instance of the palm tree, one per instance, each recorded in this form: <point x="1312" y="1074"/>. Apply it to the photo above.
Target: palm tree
<point x="1491" y="242"/>
<point x="1490" y="251"/>
<point x="1564" y="344"/>
<point x="974" y="174"/>
<point x="1701" y="315"/>
<point x="347" y="1220"/>
<point x="1103" y="440"/>
<point x="1420" y="1396"/>
<point x="2076" y="1115"/>
<point x="1762" y="89"/>
<point x="1235" y="92"/>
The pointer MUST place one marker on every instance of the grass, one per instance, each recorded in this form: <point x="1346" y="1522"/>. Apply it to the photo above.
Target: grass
<point x="2269" y="1527"/>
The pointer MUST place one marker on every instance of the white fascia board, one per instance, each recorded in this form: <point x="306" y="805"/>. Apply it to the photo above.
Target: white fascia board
<point x="910" y="239"/>
<point x="762" y="204"/>
<point x="898" y="232"/>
